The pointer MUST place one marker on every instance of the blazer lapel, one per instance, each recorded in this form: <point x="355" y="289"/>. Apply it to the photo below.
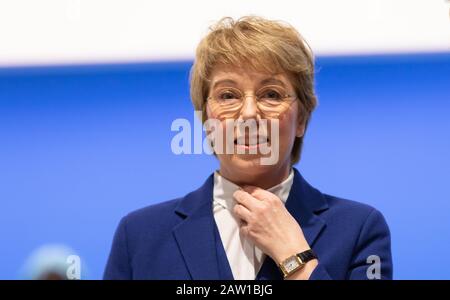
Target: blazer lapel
<point x="303" y="203"/>
<point x="195" y="234"/>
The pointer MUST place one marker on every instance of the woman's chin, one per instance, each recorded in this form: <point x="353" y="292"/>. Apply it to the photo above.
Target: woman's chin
<point x="249" y="162"/>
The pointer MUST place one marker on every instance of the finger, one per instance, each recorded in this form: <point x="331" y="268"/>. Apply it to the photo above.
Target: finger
<point x="245" y="199"/>
<point x="242" y="212"/>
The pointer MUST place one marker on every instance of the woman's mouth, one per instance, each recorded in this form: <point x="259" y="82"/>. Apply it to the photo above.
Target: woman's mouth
<point x="251" y="143"/>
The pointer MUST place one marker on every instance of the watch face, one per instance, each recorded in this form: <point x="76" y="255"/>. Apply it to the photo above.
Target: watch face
<point x="291" y="264"/>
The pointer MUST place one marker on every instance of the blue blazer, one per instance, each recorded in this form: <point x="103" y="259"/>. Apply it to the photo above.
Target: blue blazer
<point x="178" y="239"/>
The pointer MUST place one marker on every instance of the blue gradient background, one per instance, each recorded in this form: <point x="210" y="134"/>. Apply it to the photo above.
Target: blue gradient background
<point x="81" y="146"/>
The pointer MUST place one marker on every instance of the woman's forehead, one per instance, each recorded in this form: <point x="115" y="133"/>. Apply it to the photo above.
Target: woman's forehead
<point x="238" y="75"/>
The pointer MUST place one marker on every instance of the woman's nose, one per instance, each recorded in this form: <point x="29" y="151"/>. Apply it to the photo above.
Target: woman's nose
<point x="249" y="108"/>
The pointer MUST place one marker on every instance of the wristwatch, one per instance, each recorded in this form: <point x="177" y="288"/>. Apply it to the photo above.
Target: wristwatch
<point x="296" y="262"/>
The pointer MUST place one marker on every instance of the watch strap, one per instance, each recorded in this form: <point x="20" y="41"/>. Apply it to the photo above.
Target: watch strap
<point x="306" y="256"/>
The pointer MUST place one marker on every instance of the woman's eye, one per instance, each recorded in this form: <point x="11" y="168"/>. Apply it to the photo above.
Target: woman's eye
<point x="271" y="95"/>
<point x="227" y="96"/>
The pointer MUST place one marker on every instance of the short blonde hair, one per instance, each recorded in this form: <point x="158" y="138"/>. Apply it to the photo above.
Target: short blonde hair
<point x="263" y="45"/>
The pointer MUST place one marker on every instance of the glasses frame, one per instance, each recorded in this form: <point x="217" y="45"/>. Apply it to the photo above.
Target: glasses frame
<point x="255" y="95"/>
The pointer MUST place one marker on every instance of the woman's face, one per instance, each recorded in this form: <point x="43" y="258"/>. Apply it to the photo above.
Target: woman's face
<point x="250" y="146"/>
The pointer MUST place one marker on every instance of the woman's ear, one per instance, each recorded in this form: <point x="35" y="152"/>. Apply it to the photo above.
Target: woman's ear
<point x="300" y="130"/>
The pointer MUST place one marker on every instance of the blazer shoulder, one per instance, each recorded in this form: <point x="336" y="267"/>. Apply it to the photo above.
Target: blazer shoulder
<point x="152" y="216"/>
<point x="359" y="220"/>
<point x="356" y="232"/>
<point x="350" y="208"/>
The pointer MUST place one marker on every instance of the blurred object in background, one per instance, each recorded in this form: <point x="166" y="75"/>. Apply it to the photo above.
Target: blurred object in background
<point x="52" y="262"/>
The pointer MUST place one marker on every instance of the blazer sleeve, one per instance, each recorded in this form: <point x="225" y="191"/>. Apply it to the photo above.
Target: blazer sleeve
<point x="118" y="265"/>
<point x="371" y="258"/>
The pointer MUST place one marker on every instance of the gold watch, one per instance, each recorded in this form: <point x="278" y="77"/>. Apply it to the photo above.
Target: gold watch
<point x="295" y="262"/>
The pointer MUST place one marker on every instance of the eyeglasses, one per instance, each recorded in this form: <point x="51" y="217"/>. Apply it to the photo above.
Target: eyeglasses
<point x="271" y="101"/>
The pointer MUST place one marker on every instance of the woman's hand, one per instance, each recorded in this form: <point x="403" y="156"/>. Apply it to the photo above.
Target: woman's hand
<point x="266" y="222"/>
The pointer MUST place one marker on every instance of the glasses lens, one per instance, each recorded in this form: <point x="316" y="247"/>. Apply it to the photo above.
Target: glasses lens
<point x="228" y="96"/>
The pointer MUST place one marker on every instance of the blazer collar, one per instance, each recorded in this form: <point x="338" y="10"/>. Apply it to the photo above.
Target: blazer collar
<point x="195" y="234"/>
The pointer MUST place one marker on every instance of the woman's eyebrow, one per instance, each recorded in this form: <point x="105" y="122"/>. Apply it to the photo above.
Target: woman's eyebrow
<point x="272" y="80"/>
<point x="224" y="81"/>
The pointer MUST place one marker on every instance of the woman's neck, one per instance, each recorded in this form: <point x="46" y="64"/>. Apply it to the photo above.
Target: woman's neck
<point x="264" y="179"/>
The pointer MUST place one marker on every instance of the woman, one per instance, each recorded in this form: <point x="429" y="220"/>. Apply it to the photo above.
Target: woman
<point x="256" y="217"/>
